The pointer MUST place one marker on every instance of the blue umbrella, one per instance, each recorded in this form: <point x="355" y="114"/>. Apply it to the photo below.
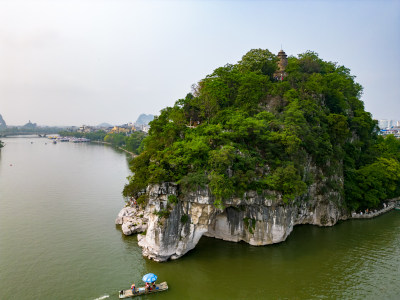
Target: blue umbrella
<point x="149" y="277"/>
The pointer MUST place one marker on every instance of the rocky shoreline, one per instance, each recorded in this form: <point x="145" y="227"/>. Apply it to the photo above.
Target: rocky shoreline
<point x="254" y="219"/>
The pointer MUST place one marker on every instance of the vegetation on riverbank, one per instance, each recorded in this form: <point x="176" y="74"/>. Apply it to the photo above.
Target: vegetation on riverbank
<point x="242" y="129"/>
<point x="131" y="143"/>
<point x="1" y="144"/>
<point x="21" y="130"/>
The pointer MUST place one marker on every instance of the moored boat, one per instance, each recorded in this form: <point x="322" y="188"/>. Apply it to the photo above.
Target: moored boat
<point x="163" y="286"/>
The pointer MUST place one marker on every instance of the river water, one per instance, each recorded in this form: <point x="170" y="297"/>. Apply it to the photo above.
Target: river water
<point x="58" y="204"/>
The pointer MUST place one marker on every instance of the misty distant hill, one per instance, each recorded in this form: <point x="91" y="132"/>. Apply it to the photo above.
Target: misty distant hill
<point x="144" y="119"/>
<point x="30" y="125"/>
<point x="105" y="125"/>
<point x="3" y="124"/>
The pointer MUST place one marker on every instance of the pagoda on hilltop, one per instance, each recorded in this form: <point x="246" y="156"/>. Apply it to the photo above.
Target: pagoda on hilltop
<point x="282" y="63"/>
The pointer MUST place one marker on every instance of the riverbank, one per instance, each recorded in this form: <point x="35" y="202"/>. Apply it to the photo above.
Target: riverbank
<point x="387" y="206"/>
<point x="120" y="148"/>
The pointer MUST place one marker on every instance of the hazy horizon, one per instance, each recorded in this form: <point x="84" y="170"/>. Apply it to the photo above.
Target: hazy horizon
<point x="70" y="125"/>
<point x="67" y="125"/>
<point x="68" y="63"/>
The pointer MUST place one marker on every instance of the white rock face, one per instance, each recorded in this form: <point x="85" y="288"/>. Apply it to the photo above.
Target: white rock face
<point x="133" y="220"/>
<point x="126" y="212"/>
<point x="255" y="219"/>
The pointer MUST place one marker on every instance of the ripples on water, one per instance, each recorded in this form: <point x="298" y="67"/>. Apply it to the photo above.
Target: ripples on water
<point x="58" y="240"/>
<point x="366" y="262"/>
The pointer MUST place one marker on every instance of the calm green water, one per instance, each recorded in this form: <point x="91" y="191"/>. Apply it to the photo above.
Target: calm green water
<point x="58" y="204"/>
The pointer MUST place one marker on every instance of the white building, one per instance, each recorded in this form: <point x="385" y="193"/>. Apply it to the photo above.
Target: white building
<point x="86" y="129"/>
<point x="383" y="124"/>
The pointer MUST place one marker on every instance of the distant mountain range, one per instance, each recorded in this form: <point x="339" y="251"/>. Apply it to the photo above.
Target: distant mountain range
<point x="2" y="123"/>
<point x="30" y="125"/>
<point x="144" y="119"/>
<point x="105" y="125"/>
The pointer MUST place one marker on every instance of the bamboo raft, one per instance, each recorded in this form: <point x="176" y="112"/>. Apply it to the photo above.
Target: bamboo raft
<point x="163" y="286"/>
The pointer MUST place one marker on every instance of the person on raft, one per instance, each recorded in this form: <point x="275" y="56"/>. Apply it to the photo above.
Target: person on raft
<point x="133" y="287"/>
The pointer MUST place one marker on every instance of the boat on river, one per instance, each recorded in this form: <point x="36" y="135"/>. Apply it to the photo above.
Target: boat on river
<point x="163" y="286"/>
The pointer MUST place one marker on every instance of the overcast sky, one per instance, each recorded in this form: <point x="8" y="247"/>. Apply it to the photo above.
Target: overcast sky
<point x="74" y="62"/>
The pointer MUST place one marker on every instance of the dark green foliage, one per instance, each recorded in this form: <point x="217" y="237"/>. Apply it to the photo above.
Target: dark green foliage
<point x="1" y="144"/>
<point x="378" y="180"/>
<point x="116" y="139"/>
<point x="142" y="200"/>
<point x="184" y="219"/>
<point x="193" y="181"/>
<point x="163" y="213"/>
<point x="288" y="181"/>
<point x="133" y="142"/>
<point x="172" y="199"/>
<point x="241" y="130"/>
<point x="259" y="61"/>
<point x="250" y="224"/>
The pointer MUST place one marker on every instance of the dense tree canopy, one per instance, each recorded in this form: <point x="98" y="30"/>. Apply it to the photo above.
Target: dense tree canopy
<point x="240" y="129"/>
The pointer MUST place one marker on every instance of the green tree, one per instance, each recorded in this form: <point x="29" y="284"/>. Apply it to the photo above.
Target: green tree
<point x="288" y="181"/>
<point x="377" y="181"/>
<point x="338" y="128"/>
<point x="259" y="60"/>
<point x="134" y="141"/>
<point x="115" y="139"/>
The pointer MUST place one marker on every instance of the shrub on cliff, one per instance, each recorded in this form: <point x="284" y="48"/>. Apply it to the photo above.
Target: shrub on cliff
<point x="240" y="129"/>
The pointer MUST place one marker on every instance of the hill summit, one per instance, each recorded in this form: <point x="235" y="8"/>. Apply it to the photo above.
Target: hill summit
<point x="144" y="119"/>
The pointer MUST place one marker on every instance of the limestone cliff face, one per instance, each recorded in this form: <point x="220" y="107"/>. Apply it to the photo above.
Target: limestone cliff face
<point x="253" y="218"/>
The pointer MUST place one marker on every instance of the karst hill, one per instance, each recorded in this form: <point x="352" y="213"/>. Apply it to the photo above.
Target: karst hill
<point x="256" y="148"/>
